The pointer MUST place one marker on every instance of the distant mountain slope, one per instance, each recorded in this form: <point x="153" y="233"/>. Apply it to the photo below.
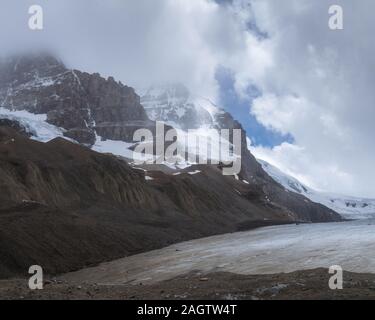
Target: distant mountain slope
<point x="348" y="207"/>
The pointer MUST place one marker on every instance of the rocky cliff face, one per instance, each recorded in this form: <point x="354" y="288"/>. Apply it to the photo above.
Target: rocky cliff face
<point x="79" y="102"/>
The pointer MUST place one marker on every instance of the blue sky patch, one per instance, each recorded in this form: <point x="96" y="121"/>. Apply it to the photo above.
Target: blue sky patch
<point x="240" y="110"/>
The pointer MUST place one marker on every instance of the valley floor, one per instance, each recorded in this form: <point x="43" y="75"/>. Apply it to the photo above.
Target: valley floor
<point x="300" y="285"/>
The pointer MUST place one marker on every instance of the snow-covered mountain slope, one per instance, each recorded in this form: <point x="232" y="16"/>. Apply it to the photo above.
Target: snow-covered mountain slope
<point x="349" y="207"/>
<point x="175" y="105"/>
<point x="37" y="127"/>
<point x="195" y="118"/>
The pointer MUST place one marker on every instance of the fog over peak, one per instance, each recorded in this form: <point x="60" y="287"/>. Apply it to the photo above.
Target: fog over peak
<point x="315" y="84"/>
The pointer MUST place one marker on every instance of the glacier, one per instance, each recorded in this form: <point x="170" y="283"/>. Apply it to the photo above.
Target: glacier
<point x="35" y="124"/>
<point x="276" y="249"/>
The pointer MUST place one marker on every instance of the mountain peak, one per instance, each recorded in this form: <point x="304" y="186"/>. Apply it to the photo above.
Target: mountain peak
<point x="24" y="68"/>
<point x="174" y="104"/>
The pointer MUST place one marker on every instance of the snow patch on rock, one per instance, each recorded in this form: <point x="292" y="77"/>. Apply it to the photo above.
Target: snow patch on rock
<point x="35" y="124"/>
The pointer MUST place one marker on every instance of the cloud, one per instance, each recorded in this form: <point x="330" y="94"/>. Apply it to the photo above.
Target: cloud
<point x="138" y="42"/>
<point x="298" y="162"/>
<point x="320" y="90"/>
<point x="280" y="113"/>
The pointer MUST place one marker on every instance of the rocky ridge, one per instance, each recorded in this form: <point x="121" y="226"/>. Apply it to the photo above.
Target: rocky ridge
<point x="84" y="104"/>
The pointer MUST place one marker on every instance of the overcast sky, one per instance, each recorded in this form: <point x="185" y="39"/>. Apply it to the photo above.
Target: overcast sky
<point x="314" y="86"/>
